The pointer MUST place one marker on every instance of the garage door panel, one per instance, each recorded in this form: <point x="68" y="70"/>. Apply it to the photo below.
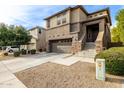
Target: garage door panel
<point x="63" y="47"/>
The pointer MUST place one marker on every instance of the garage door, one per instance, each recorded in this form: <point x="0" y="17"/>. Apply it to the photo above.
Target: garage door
<point x="61" y="47"/>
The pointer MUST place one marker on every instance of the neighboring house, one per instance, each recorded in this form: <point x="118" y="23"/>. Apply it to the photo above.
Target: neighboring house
<point x="38" y="39"/>
<point x="73" y="29"/>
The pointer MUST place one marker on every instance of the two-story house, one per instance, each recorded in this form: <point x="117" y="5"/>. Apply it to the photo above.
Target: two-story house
<point x="38" y="38"/>
<point x="73" y="29"/>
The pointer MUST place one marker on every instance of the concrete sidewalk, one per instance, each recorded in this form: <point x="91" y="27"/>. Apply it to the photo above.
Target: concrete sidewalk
<point x="123" y="84"/>
<point x="8" y="79"/>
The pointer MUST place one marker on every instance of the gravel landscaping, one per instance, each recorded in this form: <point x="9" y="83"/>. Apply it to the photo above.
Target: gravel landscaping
<point x="6" y="57"/>
<point x="78" y="75"/>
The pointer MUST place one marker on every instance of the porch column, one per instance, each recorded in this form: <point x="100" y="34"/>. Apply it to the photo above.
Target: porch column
<point x="99" y="40"/>
<point x="47" y="46"/>
<point x="83" y="41"/>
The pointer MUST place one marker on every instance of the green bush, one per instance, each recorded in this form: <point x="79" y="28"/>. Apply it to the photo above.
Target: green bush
<point x="16" y="54"/>
<point x="114" y="60"/>
<point x="40" y="50"/>
<point x="24" y="52"/>
<point x="29" y="51"/>
<point x="5" y="54"/>
<point x="33" y="51"/>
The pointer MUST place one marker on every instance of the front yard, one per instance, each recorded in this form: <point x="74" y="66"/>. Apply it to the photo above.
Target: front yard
<point x="78" y="75"/>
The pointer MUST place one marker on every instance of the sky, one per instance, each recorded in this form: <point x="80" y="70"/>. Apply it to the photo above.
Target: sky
<point x="30" y="16"/>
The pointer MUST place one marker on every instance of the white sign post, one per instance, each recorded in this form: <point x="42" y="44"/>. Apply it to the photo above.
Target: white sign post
<point x="100" y="69"/>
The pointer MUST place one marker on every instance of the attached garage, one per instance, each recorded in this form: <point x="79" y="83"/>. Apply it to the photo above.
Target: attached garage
<point x="61" y="46"/>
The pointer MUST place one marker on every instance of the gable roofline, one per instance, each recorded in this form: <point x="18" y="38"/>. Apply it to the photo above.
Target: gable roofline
<point x="83" y="9"/>
<point x="101" y="10"/>
<point x="66" y="9"/>
<point x="36" y="27"/>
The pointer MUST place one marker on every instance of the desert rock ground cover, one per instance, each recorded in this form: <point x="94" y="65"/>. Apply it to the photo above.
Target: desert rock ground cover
<point x="3" y="57"/>
<point x="78" y="75"/>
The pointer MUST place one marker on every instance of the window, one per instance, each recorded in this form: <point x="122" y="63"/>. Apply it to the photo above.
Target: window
<point x="95" y="15"/>
<point x="61" y="19"/>
<point x="48" y="24"/>
<point x="101" y="13"/>
<point x="64" y="18"/>
<point x="58" y="20"/>
<point x="90" y="16"/>
<point x="74" y="27"/>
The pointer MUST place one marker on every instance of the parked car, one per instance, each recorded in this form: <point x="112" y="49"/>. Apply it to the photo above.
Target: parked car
<point x="11" y="49"/>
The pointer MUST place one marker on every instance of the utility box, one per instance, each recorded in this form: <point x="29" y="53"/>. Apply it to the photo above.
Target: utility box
<point x="100" y="69"/>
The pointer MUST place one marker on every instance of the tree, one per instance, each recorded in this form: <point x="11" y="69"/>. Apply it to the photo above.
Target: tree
<point x="120" y="23"/>
<point x="115" y="35"/>
<point x="118" y="31"/>
<point x="22" y="37"/>
<point x="4" y="35"/>
<point x="13" y="35"/>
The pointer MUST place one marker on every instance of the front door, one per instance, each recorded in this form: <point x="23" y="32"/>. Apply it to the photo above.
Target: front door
<point x="92" y="32"/>
<point x="89" y="35"/>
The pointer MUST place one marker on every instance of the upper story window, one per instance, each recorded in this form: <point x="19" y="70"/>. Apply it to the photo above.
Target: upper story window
<point x="95" y="15"/>
<point x="61" y="19"/>
<point x="58" y="20"/>
<point x="64" y="18"/>
<point x="101" y="13"/>
<point x="90" y="16"/>
<point x="48" y="24"/>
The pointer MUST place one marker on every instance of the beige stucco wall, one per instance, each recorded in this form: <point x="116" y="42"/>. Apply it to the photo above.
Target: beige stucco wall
<point x="34" y="33"/>
<point x="78" y="15"/>
<point x="59" y="32"/>
<point x="32" y="44"/>
<point x="82" y="15"/>
<point x="41" y="42"/>
<point x="75" y="15"/>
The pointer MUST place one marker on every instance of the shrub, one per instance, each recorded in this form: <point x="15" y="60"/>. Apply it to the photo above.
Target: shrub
<point x="29" y="51"/>
<point x="40" y="50"/>
<point x="33" y="51"/>
<point x="114" y="60"/>
<point x="16" y="54"/>
<point x="24" y="52"/>
<point x="5" y="54"/>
